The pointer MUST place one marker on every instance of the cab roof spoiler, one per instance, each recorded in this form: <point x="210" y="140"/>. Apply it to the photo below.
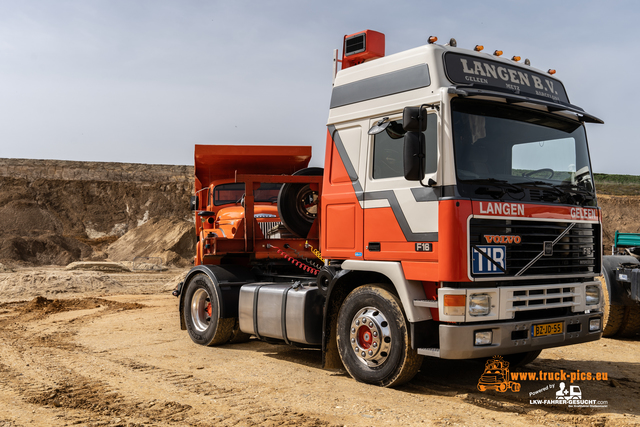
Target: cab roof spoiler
<point x="552" y="106"/>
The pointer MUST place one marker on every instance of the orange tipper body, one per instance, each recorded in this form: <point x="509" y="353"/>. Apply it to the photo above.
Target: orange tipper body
<point x="223" y="197"/>
<point x="456" y="198"/>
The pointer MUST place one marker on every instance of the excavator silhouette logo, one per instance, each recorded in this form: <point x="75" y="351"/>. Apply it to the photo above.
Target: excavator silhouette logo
<point x="496" y="376"/>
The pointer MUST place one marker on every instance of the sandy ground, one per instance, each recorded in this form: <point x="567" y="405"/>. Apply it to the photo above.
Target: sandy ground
<point x="107" y="350"/>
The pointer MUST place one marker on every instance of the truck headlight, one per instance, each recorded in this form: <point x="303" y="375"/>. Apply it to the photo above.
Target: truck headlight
<point x="483" y="338"/>
<point x="479" y="304"/>
<point x="592" y="295"/>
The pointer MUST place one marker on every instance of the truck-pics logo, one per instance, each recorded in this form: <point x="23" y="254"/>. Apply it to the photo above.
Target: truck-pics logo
<point x="496" y="376"/>
<point x="503" y="239"/>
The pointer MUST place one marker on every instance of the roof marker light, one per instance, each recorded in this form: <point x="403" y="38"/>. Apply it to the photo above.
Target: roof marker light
<point x="453" y="42"/>
<point x="478" y="48"/>
<point x="552" y="72"/>
<point x="516" y="58"/>
<point x="432" y="39"/>
<point x="527" y="62"/>
<point x="497" y="53"/>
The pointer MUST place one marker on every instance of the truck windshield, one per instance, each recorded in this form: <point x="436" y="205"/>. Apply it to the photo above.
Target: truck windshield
<point x="231" y="193"/>
<point x="506" y="151"/>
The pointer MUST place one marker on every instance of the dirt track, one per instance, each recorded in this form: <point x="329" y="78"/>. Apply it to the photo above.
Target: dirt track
<point x="121" y="360"/>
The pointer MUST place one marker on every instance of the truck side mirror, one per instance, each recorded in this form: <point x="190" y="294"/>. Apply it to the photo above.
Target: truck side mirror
<point x="414" y="148"/>
<point x="194" y="203"/>
<point x="414" y="119"/>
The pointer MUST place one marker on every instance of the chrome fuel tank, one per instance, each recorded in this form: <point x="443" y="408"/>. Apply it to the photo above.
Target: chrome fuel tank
<point x="281" y="311"/>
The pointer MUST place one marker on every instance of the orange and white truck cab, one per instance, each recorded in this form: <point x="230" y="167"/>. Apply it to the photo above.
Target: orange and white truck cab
<point x="457" y="219"/>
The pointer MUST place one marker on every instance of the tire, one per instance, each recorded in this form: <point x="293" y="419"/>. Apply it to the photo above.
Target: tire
<point x="298" y="205"/>
<point x="631" y="322"/>
<point x="388" y="359"/>
<point x="237" y="335"/>
<point x="612" y="315"/>
<point x="521" y="359"/>
<point x="201" y="310"/>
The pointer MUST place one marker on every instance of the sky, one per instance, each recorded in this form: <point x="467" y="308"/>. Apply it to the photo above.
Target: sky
<point x="143" y="81"/>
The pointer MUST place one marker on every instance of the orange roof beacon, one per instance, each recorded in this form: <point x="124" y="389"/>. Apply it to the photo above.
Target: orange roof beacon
<point x="455" y="217"/>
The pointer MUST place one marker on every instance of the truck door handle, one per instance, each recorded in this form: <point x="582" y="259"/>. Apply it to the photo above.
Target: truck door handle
<point x="374" y="247"/>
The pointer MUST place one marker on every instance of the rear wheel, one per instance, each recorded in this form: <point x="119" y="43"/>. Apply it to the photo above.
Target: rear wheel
<point x="631" y="322"/>
<point x="201" y="311"/>
<point x="373" y="338"/>
<point x="612" y="315"/>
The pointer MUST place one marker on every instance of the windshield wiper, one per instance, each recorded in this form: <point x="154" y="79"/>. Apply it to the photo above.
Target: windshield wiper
<point x="543" y="185"/>
<point x="563" y="191"/>
<point x="584" y="194"/>
<point x="501" y="187"/>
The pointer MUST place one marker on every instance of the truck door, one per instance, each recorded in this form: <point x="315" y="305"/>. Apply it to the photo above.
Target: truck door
<point x="400" y="216"/>
<point x="342" y="192"/>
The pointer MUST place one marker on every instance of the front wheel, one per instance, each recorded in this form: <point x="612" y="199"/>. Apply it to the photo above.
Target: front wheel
<point x="373" y="338"/>
<point x="201" y="311"/>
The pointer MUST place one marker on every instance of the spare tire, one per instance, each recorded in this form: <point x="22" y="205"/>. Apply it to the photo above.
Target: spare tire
<point x="298" y="204"/>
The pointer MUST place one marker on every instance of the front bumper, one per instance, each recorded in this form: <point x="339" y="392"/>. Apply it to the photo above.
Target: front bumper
<point x="457" y="341"/>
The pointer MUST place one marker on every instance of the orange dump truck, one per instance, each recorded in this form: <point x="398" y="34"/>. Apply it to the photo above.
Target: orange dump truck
<point x="455" y="217"/>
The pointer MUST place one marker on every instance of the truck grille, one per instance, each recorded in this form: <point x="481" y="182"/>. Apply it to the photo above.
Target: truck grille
<point x="575" y="253"/>
<point x="265" y="227"/>
<point x="518" y="299"/>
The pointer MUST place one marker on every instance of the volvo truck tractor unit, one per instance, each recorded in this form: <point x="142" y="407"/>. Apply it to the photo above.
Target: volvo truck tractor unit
<point x="455" y="217"/>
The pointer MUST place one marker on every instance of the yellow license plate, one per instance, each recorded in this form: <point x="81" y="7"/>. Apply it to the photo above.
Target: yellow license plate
<point x="546" y="329"/>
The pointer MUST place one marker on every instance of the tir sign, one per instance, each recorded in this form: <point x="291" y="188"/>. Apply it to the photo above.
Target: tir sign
<point x="495" y="256"/>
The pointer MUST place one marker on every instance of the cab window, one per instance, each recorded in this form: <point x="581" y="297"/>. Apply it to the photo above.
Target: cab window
<point x="231" y="193"/>
<point x="388" y="149"/>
